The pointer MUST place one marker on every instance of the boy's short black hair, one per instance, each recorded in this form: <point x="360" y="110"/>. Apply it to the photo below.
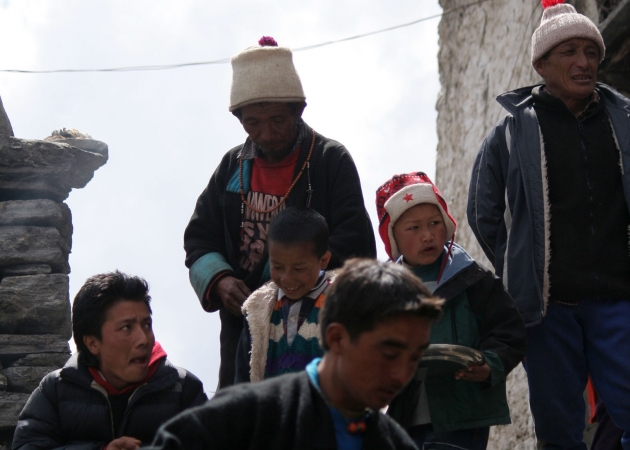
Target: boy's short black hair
<point x="300" y="225"/>
<point x="366" y="292"/>
<point x="98" y="294"/>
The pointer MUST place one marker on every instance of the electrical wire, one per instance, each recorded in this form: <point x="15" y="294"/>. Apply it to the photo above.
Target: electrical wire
<point x="226" y="60"/>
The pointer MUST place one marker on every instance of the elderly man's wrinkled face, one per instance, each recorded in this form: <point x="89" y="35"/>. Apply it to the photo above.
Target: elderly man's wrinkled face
<point x="272" y="127"/>
<point x="570" y="70"/>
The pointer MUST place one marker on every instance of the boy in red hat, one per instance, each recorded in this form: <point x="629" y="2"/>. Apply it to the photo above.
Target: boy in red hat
<point x="419" y="233"/>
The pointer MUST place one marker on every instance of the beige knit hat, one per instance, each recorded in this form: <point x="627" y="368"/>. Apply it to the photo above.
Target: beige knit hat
<point x="559" y="23"/>
<point x="264" y="74"/>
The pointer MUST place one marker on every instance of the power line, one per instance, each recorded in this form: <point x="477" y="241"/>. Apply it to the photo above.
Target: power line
<point x="226" y="60"/>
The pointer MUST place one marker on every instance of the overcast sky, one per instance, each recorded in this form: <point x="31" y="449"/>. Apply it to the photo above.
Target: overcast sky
<point x="167" y="130"/>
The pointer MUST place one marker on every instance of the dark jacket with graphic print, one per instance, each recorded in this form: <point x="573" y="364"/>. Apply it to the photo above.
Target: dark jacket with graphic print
<point x="212" y="237"/>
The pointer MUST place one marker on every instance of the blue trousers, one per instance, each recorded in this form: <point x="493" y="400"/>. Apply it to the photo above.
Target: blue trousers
<point x="427" y="439"/>
<point x="571" y="342"/>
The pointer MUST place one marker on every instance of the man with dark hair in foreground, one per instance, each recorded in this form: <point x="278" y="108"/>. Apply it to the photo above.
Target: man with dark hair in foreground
<point x="375" y="325"/>
<point x="119" y="387"/>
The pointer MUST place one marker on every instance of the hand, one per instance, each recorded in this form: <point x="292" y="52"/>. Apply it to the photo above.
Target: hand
<point x="124" y="443"/>
<point x="232" y="293"/>
<point x="478" y="373"/>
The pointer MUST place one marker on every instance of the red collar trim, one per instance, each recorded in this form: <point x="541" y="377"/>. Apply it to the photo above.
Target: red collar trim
<point x="157" y="355"/>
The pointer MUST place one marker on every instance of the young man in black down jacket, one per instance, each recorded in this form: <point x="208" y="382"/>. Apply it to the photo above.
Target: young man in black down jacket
<point x="375" y="324"/>
<point x="119" y="388"/>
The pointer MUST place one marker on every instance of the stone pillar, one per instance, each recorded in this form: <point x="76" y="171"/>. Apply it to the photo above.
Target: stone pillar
<point x="484" y="51"/>
<point x="35" y="240"/>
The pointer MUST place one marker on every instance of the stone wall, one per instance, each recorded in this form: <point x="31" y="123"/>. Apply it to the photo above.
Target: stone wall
<point x="35" y="240"/>
<point x="484" y="51"/>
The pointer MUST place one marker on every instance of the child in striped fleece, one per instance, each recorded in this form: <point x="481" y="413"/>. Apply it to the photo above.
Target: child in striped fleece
<point x="281" y="329"/>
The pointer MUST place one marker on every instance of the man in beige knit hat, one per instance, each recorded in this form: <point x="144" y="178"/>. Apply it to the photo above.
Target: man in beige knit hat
<point x="549" y="203"/>
<point x="283" y="162"/>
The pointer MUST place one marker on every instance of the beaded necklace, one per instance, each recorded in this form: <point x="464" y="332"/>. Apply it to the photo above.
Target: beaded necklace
<point x="309" y="191"/>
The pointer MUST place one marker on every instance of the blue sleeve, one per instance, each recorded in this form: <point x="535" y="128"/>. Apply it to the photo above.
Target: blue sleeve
<point x="204" y="271"/>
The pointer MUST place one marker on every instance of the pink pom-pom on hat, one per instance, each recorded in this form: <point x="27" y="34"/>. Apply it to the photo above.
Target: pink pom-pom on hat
<point x="548" y="3"/>
<point x="267" y="41"/>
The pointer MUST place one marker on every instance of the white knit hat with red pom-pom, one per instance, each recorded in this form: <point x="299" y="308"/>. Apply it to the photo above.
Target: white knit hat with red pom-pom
<point x="264" y="74"/>
<point x="561" y="22"/>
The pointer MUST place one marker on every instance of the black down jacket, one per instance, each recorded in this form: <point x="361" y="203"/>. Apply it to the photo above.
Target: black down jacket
<point x="70" y="410"/>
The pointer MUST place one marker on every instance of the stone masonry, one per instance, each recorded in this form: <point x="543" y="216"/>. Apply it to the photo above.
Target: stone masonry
<point x="35" y="240"/>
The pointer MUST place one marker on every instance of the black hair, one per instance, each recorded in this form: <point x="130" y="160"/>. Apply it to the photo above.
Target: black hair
<point x="98" y="294"/>
<point x="295" y="225"/>
<point x="366" y="292"/>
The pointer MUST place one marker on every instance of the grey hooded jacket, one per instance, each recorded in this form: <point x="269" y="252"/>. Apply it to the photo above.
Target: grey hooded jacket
<point x="508" y="207"/>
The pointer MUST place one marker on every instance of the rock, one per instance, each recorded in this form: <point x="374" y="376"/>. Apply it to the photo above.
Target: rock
<point x="22" y="345"/>
<point x="41" y="213"/>
<point x="5" y="124"/>
<point x="25" y="378"/>
<point x="32" y="245"/>
<point x="32" y="169"/>
<point x="3" y="383"/>
<point x="25" y="269"/>
<point x="43" y="359"/>
<point x="37" y="304"/>
<point x="11" y="404"/>
<point x="90" y="145"/>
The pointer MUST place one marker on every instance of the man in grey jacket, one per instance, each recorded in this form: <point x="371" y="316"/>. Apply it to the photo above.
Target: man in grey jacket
<point x="549" y="203"/>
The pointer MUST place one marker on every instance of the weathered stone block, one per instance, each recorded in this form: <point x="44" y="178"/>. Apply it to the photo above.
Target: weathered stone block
<point x="32" y="169"/>
<point x="11" y="404"/>
<point x="36" y="304"/>
<point x="89" y="145"/>
<point x="25" y="269"/>
<point x="43" y="359"/>
<point x="22" y="345"/>
<point x="41" y="213"/>
<point x="31" y="245"/>
<point x="25" y="378"/>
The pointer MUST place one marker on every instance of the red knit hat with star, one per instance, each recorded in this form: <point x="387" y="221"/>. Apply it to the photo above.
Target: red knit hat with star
<point x="399" y="194"/>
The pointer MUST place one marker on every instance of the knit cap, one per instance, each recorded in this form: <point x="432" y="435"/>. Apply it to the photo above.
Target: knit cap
<point x="264" y="73"/>
<point x="561" y="22"/>
<point x="399" y="194"/>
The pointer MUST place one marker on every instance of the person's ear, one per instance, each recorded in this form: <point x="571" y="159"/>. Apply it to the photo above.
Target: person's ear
<point x="539" y="66"/>
<point x="92" y="344"/>
<point x="300" y="110"/>
<point x="323" y="262"/>
<point x="336" y="337"/>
